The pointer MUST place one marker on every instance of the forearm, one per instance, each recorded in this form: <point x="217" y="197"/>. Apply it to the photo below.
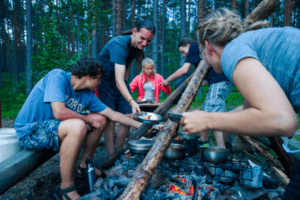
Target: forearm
<point x="123" y="119"/>
<point x="252" y="122"/>
<point x="123" y="89"/>
<point x="65" y="114"/>
<point x="180" y="72"/>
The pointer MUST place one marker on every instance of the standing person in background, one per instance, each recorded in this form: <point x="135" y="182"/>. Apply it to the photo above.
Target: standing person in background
<point x="264" y="65"/>
<point x="219" y="86"/>
<point x="149" y="83"/>
<point x="117" y="56"/>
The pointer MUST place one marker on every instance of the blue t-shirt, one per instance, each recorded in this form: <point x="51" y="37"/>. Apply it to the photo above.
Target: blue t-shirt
<point x="278" y="49"/>
<point x="193" y="57"/>
<point x="54" y="87"/>
<point x="118" y="50"/>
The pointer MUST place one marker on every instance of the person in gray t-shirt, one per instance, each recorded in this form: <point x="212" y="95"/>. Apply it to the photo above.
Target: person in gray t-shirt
<point x="117" y="56"/>
<point x="264" y="65"/>
<point x="51" y="118"/>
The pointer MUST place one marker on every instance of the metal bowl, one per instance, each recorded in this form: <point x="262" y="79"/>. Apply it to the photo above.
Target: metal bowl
<point x="158" y="127"/>
<point x="175" y="151"/>
<point x="175" y="117"/>
<point x="154" y="118"/>
<point x="140" y="147"/>
<point x="215" y="155"/>
<point x="142" y="101"/>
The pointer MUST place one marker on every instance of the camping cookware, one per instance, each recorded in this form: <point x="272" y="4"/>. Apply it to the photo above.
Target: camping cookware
<point x="174" y="117"/>
<point x="215" y="155"/>
<point x="149" y="118"/>
<point x="140" y="147"/>
<point x="175" y="151"/>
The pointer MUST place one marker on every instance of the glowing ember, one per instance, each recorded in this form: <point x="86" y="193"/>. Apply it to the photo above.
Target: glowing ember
<point x="176" y="189"/>
<point x="182" y="180"/>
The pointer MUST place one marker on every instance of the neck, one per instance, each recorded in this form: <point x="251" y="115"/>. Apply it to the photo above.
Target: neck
<point x="77" y="83"/>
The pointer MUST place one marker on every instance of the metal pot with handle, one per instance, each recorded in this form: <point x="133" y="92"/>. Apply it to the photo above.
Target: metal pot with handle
<point x="215" y="155"/>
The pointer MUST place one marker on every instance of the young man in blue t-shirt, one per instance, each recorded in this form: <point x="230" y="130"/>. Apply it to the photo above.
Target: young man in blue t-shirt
<point x="51" y="118"/>
<point x="117" y="56"/>
<point x="219" y="86"/>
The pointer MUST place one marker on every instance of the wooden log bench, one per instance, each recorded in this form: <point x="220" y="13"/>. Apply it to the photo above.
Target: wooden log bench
<point x="16" y="167"/>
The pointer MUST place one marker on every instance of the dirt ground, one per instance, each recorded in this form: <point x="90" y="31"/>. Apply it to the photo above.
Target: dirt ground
<point x="41" y="183"/>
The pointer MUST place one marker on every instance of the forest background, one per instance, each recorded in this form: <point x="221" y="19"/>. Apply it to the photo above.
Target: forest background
<point x="40" y="35"/>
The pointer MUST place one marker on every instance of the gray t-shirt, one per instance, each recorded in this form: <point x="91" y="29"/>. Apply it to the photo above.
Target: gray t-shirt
<point x="54" y="87"/>
<point x="278" y="49"/>
<point x="118" y="50"/>
<point x="149" y="91"/>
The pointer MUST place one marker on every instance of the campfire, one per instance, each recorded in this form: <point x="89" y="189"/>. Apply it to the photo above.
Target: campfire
<point x="186" y="179"/>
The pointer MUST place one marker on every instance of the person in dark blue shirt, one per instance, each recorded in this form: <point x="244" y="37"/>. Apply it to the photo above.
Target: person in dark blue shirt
<point x="117" y="56"/>
<point x="219" y="85"/>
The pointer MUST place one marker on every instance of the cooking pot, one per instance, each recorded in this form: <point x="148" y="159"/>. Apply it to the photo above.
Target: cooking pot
<point x="215" y="155"/>
<point x="175" y="151"/>
<point x="140" y="147"/>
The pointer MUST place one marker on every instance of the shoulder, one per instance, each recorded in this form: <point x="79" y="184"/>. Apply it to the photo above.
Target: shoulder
<point x="121" y="40"/>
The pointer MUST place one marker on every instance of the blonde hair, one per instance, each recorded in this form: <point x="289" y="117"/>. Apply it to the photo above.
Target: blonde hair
<point x="221" y="26"/>
<point x="148" y="61"/>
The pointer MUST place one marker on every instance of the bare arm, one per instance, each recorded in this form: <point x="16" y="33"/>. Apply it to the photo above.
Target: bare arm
<point x="61" y="113"/>
<point x="128" y="71"/>
<point x="120" y="75"/>
<point x="178" y="73"/>
<point x="269" y="113"/>
<point x="119" y="117"/>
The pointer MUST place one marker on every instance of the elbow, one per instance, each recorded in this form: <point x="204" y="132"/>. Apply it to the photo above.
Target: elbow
<point x="58" y="115"/>
<point x="287" y="125"/>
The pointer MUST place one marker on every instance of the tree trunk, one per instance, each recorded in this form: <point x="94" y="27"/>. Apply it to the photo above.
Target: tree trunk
<point x="189" y="18"/>
<point x="146" y="169"/>
<point x="182" y="25"/>
<point x="16" y="47"/>
<point x="232" y="4"/>
<point x="119" y="17"/>
<point x="73" y="37"/>
<point x="114" y="17"/>
<point x="263" y="10"/>
<point x="124" y="15"/>
<point x="162" y="65"/>
<point x="28" y="47"/>
<point x="155" y="39"/>
<point x="288" y="14"/>
<point x="94" y="34"/>
<point x="133" y="14"/>
<point x="246" y="7"/>
<point x="78" y="34"/>
<point x="201" y="10"/>
<point x="286" y="161"/>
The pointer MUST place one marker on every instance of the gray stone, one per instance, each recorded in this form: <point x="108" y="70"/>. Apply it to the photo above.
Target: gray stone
<point x="257" y="177"/>
<point x="273" y="195"/>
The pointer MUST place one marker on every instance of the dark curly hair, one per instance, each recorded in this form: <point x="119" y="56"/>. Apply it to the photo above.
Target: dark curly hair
<point x="88" y="66"/>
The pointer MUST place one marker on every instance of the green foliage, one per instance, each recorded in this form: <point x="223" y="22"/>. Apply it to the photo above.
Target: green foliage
<point x="11" y="102"/>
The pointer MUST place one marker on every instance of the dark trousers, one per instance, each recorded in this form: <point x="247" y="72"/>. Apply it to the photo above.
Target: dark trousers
<point x="292" y="191"/>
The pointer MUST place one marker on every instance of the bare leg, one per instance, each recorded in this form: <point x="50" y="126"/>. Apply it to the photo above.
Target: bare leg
<point x="122" y="133"/>
<point x="219" y="138"/>
<point x="109" y="137"/>
<point x="92" y="140"/>
<point x="204" y="136"/>
<point x="71" y="135"/>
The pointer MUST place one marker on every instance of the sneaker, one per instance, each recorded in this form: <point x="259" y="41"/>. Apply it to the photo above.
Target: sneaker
<point x="201" y="143"/>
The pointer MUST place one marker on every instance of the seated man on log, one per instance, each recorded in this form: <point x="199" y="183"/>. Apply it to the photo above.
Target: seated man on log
<point x="51" y="119"/>
<point x="219" y="85"/>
